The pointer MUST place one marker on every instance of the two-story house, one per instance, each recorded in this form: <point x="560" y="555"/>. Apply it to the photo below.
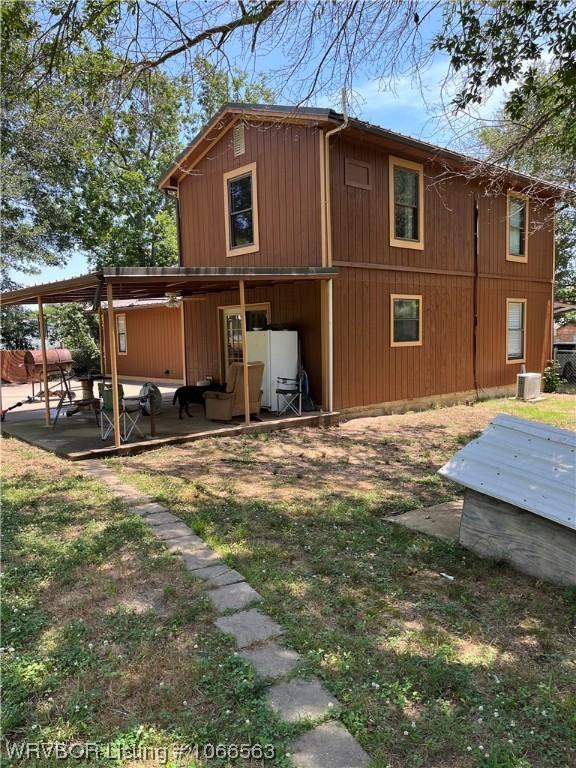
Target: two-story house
<point x="441" y="287"/>
<point x="408" y="278"/>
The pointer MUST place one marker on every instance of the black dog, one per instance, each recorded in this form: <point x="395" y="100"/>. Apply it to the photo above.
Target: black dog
<point x="194" y="395"/>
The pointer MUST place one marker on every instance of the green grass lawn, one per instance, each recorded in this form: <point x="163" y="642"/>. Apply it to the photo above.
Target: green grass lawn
<point x="106" y="638"/>
<point x="476" y="672"/>
<point x="558" y="410"/>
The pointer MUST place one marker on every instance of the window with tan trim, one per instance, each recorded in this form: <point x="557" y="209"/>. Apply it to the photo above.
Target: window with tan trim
<point x="516" y="330"/>
<point x="517" y="227"/>
<point x="241" y="210"/>
<point x="405" y="320"/>
<point x="121" y="337"/>
<point x="406" y="195"/>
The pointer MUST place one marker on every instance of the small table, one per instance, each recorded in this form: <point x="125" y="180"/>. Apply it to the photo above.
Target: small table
<point x="88" y="400"/>
<point x="87" y="383"/>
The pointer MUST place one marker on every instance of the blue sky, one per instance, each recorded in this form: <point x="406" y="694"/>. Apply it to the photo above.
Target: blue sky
<point x="419" y="109"/>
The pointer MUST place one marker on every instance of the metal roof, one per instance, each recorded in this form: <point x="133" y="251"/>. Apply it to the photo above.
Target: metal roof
<point x="237" y="110"/>
<point x="154" y="282"/>
<point x="525" y="463"/>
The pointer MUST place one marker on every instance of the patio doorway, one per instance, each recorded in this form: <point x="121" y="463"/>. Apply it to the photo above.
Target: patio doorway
<point x="257" y="318"/>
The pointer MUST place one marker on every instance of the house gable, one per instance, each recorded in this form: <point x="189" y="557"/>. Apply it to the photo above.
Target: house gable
<point x="285" y="158"/>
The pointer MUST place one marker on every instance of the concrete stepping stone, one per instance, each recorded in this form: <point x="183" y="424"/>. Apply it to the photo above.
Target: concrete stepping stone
<point x="159" y="518"/>
<point x="328" y="745"/>
<point x="200" y="558"/>
<point x="271" y="660"/>
<point x="184" y="545"/>
<point x="233" y="597"/>
<point x="127" y="493"/>
<point x="249" y="627"/>
<point x="300" y="699"/>
<point x="219" y="575"/>
<point x="175" y="530"/>
<point x="147" y="509"/>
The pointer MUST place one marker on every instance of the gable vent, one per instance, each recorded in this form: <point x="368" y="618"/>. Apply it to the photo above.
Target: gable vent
<point x="239" y="144"/>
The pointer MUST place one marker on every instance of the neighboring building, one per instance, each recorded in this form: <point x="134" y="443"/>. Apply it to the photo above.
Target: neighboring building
<point x="441" y="287"/>
<point x="566" y="333"/>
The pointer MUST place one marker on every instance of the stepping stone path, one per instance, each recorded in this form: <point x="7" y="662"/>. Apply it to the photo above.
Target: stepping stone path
<point x="255" y="633"/>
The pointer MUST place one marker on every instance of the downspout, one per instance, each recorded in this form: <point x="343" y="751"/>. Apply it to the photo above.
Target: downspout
<point x="327" y="257"/>
<point x="328" y="217"/>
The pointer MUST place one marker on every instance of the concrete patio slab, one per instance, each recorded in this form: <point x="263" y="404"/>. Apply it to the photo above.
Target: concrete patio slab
<point x="78" y="438"/>
<point x="441" y="520"/>
<point x="300" y="700"/>
<point x="249" y="627"/>
<point x="233" y="597"/>
<point x="271" y="660"/>
<point x="328" y="745"/>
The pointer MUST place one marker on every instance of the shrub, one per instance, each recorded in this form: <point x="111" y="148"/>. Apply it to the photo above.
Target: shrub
<point x="551" y="376"/>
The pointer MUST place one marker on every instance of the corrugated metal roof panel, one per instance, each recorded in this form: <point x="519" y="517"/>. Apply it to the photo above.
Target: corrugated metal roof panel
<point x="524" y="463"/>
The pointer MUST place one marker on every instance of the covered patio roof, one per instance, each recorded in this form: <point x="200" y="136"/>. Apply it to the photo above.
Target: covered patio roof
<point x="155" y="282"/>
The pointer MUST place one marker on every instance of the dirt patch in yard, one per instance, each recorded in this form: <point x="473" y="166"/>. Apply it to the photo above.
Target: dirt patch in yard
<point x="366" y="455"/>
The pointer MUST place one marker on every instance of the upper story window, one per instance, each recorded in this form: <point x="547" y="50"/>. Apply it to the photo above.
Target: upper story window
<point x="406" y="190"/>
<point x="515" y="330"/>
<point x="241" y="209"/>
<point x="406" y="320"/>
<point x="121" y="338"/>
<point x="517" y="218"/>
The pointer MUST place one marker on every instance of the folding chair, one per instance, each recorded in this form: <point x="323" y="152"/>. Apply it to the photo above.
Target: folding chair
<point x="289" y="395"/>
<point x="130" y="412"/>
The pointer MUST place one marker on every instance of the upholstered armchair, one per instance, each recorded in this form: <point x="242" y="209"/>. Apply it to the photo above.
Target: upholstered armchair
<point x="223" y="406"/>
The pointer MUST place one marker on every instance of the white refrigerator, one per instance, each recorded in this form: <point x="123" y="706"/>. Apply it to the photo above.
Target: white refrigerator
<point x="278" y="350"/>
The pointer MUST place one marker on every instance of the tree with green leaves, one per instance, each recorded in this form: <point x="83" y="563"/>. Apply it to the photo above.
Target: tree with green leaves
<point x="544" y="155"/>
<point x="19" y="328"/>
<point x="77" y="330"/>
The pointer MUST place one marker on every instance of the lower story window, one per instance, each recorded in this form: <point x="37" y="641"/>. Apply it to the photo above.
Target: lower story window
<point x="406" y="320"/>
<point x="516" y="330"/>
<point x="121" y="346"/>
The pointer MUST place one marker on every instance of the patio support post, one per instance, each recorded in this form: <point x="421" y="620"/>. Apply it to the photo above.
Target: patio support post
<point x="327" y="345"/>
<point x="42" y="328"/>
<point x="101" y="341"/>
<point x="244" y="353"/>
<point x="113" y="364"/>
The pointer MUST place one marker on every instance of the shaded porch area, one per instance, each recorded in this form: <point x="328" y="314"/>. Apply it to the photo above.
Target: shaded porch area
<point x="216" y="306"/>
<point x="78" y="437"/>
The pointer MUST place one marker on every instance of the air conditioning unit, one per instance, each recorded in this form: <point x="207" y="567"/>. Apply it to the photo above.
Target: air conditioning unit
<point x="528" y="386"/>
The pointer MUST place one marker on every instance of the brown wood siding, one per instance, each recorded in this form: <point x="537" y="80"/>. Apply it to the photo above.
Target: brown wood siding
<point x="492" y="294"/>
<point x="297" y="305"/>
<point x="154" y="343"/>
<point x="287" y="161"/>
<point x="367" y="370"/>
<point x="360" y="218"/>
